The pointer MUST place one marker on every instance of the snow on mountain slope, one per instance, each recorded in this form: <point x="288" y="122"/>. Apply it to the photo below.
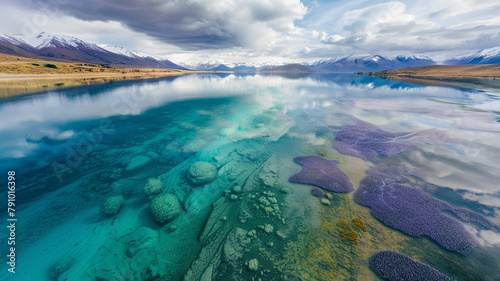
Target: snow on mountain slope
<point x="369" y="63"/>
<point x="47" y="40"/>
<point x="125" y="52"/>
<point x="485" y="56"/>
<point x="69" y="48"/>
<point x="221" y="66"/>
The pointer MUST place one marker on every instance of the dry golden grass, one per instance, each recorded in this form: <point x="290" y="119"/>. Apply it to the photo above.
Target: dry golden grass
<point x="20" y="76"/>
<point x="465" y="76"/>
<point x="488" y="71"/>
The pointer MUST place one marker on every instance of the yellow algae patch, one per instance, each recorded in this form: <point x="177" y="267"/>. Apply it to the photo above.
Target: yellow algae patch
<point x="348" y="234"/>
<point x="358" y="224"/>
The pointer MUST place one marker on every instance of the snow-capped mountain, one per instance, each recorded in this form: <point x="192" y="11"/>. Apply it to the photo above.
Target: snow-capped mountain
<point x="69" y="48"/>
<point x="47" y="40"/>
<point x="221" y="66"/>
<point x="369" y="63"/>
<point x="486" y="56"/>
<point x="125" y="52"/>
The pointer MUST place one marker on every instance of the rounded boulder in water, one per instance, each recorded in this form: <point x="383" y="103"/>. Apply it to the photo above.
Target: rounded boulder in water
<point x="201" y="173"/>
<point x="164" y="208"/>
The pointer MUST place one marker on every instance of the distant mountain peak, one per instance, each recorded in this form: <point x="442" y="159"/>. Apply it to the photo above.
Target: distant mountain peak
<point x="45" y="40"/>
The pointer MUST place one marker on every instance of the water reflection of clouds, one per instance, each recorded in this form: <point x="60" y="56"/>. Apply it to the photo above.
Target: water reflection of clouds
<point x="478" y="153"/>
<point x="450" y="114"/>
<point x="42" y="115"/>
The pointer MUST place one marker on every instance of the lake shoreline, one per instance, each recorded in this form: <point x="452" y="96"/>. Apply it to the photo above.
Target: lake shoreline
<point x="21" y="76"/>
<point x="459" y="76"/>
<point x="27" y="84"/>
<point x="465" y="83"/>
<point x="20" y="85"/>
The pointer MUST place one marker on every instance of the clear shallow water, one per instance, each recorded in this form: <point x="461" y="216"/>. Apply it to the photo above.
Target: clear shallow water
<point x="74" y="149"/>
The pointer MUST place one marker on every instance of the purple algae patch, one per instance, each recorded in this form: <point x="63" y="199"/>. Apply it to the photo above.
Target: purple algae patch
<point x="415" y="212"/>
<point x="322" y="172"/>
<point x="367" y="141"/>
<point x="394" y="266"/>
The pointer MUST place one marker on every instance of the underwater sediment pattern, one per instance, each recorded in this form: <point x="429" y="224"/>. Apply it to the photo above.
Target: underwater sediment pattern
<point x="254" y="177"/>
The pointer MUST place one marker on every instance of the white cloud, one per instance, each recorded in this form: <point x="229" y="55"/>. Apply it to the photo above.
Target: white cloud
<point x="259" y="30"/>
<point x="333" y="39"/>
<point x="444" y="9"/>
<point x="372" y="19"/>
<point x="197" y="24"/>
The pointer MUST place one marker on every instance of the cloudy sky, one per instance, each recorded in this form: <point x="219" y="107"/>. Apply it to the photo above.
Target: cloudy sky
<point x="264" y="30"/>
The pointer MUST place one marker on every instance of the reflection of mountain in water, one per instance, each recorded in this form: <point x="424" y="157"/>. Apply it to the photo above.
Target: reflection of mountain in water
<point x="338" y="79"/>
<point x="289" y="75"/>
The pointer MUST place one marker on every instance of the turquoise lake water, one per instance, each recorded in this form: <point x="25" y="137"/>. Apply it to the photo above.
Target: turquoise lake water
<point x="92" y="162"/>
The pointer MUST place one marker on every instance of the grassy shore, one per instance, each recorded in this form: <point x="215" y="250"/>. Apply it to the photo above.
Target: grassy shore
<point x="20" y="76"/>
<point x="482" y="76"/>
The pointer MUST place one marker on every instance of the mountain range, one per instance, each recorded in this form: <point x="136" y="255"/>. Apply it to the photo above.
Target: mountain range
<point x="214" y="66"/>
<point x="68" y="48"/>
<point x="369" y="62"/>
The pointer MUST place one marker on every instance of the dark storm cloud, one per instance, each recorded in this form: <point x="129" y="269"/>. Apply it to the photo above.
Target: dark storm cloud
<point x="194" y="24"/>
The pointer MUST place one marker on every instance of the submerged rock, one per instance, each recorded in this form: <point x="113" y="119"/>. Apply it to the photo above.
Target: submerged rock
<point x="282" y="236"/>
<point x="253" y="264"/>
<point x="237" y="188"/>
<point x="317" y="192"/>
<point x="112" y="205"/>
<point x="325" y="202"/>
<point x="268" y="228"/>
<point x="164" y="208"/>
<point x="251" y="233"/>
<point x="268" y="174"/>
<point x="153" y="187"/>
<point x="213" y="237"/>
<point x="201" y="173"/>
<point x="235" y="244"/>
<point x="284" y="190"/>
